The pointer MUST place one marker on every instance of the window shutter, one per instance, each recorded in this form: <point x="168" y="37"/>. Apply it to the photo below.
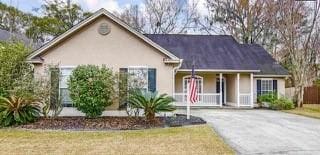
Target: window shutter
<point x="258" y="87"/>
<point x="54" y="83"/>
<point x="275" y="85"/>
<point x="123" y="88"/>
<point x="152" y="77"/>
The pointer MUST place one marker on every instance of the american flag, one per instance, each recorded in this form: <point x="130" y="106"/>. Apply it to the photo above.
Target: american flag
<point x="193" y="96"/>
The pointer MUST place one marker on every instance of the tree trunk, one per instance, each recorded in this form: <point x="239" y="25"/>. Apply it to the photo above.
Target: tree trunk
<point x="299" y="95"/>
<point x="150" y="116"/>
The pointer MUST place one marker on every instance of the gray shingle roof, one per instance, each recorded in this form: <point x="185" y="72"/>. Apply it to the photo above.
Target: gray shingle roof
<point x="6" y="36"/>
<point x="217" y="52"/>
<point x="265" y="62"/>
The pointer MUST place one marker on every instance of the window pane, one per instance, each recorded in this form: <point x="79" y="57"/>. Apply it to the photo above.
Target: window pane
<point x="266" y="86"/>
<point x="138" y="78"/>
<point x="64" y="92"/>
<point x="65" y="97"/>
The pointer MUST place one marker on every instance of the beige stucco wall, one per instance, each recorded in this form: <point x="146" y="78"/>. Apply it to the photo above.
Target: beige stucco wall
<point x="231" y="88"/>
<point x="245" y="83"/>
<point x="209" y="82"/>
<point x="118" y="49"/>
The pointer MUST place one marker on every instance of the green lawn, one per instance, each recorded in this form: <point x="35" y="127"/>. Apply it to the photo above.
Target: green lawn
<point x="309" y="110"/>
<point x="182" y="140"/>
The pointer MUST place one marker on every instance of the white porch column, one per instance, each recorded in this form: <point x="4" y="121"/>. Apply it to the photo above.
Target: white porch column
<point x="238" y="89"/>
<point x="220" y="89"/>
<point x="251" y="89"/>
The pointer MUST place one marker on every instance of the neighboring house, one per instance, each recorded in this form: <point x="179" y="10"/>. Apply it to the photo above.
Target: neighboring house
<point x="228" y="73"/>
<point x="7" y="36"/>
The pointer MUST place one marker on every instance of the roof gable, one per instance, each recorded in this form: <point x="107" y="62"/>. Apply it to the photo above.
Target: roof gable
<point x="102" y="12"/>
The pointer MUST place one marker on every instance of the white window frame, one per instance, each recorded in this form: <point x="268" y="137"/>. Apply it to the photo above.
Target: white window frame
<point x="140" y="67"/>
<point x="264" y="90"/>
<point x="60" y="78"/>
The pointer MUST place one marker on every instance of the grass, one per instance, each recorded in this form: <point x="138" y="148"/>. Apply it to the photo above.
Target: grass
<point x="181" y="140"/>
<point x="309" y="110"/>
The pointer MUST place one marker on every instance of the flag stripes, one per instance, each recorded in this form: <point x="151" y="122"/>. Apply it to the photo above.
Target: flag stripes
<point x="193" y="90"/>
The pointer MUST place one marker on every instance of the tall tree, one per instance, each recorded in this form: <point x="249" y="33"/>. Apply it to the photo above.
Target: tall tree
<point x="13" y="20"/>
<point x="298" y="30"/>
<point x="162" y="17"/>
<point x="134" y="17"/>
<point x="58" y="17"/>
<point x="249" y="21"/>
<point x="170" y="16"/>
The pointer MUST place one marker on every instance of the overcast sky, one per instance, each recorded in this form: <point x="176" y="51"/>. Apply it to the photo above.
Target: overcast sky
<point x="88" y="5"/>
<point x="91" y="5"/>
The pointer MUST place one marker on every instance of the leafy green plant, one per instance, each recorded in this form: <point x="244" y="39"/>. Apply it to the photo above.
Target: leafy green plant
<point x="13" y="66"/>
<point x="151" y="103"/>
<point x="91" y="89"/>
<point x="268" y="97"/>
<point x="18" y="110"/>
<point x="281" y="104"/>
<point x="276" y="103"/>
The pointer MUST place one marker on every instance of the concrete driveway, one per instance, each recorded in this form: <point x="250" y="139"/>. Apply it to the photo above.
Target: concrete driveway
<point x="265" y="131"/>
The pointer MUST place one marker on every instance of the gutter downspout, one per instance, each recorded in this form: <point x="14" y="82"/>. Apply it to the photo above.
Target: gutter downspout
<point x="174" y="71"/>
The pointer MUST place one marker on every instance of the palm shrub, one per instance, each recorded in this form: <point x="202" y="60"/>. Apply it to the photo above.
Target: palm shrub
<point x="18" y="110"/>
<point x="151" y="103"/>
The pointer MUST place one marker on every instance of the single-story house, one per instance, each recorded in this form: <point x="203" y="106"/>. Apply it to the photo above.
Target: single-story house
<point x="228" y="73"/>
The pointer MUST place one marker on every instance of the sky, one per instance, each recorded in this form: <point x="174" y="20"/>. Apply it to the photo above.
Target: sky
<point x="87" y="5"/>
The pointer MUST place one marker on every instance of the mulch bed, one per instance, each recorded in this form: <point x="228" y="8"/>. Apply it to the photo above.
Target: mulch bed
<point x="181" y="120"/>
<point x="110" y="123"/>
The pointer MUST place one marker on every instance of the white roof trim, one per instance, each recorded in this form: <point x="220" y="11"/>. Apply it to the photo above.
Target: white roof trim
<point x="91" y="18"/>
<point x="271" y="76"/>
<point x="219" y="70"/>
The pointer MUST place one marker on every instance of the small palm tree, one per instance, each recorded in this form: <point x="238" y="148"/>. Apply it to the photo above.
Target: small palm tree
<point x="151" y="103"/>
<point x="17" y="110"/>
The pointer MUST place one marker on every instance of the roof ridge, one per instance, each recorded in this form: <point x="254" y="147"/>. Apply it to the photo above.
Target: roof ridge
<point x="190" y="34"/>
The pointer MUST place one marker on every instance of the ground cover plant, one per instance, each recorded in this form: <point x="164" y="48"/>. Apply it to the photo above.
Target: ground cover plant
<point x="18" y="110"/>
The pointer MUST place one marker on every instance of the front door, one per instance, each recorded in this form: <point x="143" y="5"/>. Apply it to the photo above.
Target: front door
<point x="218" y="88"/>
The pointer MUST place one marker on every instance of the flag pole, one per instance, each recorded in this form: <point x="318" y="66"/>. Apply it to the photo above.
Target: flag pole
<point x="188" y="102"/>
<point x="188" y="92"/>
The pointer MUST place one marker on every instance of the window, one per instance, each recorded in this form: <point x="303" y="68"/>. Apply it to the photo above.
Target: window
<point x="138" y="78"/>
<point x="186" y="82"/>
<point x="266" y="86"/>
<point x="63" y="86"/>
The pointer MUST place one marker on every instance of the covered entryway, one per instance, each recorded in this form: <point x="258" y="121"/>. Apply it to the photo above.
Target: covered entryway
<point x="235" y="89"/>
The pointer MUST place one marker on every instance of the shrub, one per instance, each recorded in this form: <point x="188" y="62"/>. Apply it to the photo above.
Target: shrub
<point x="18" y="110"/>
<point x="91" y="89"/>
<point x="151" y="103"/>
<point x="281" y="104"/>
<point x="13" y="66"/>
<point x="268" y="97"/>
<point x="275" y="103"/>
